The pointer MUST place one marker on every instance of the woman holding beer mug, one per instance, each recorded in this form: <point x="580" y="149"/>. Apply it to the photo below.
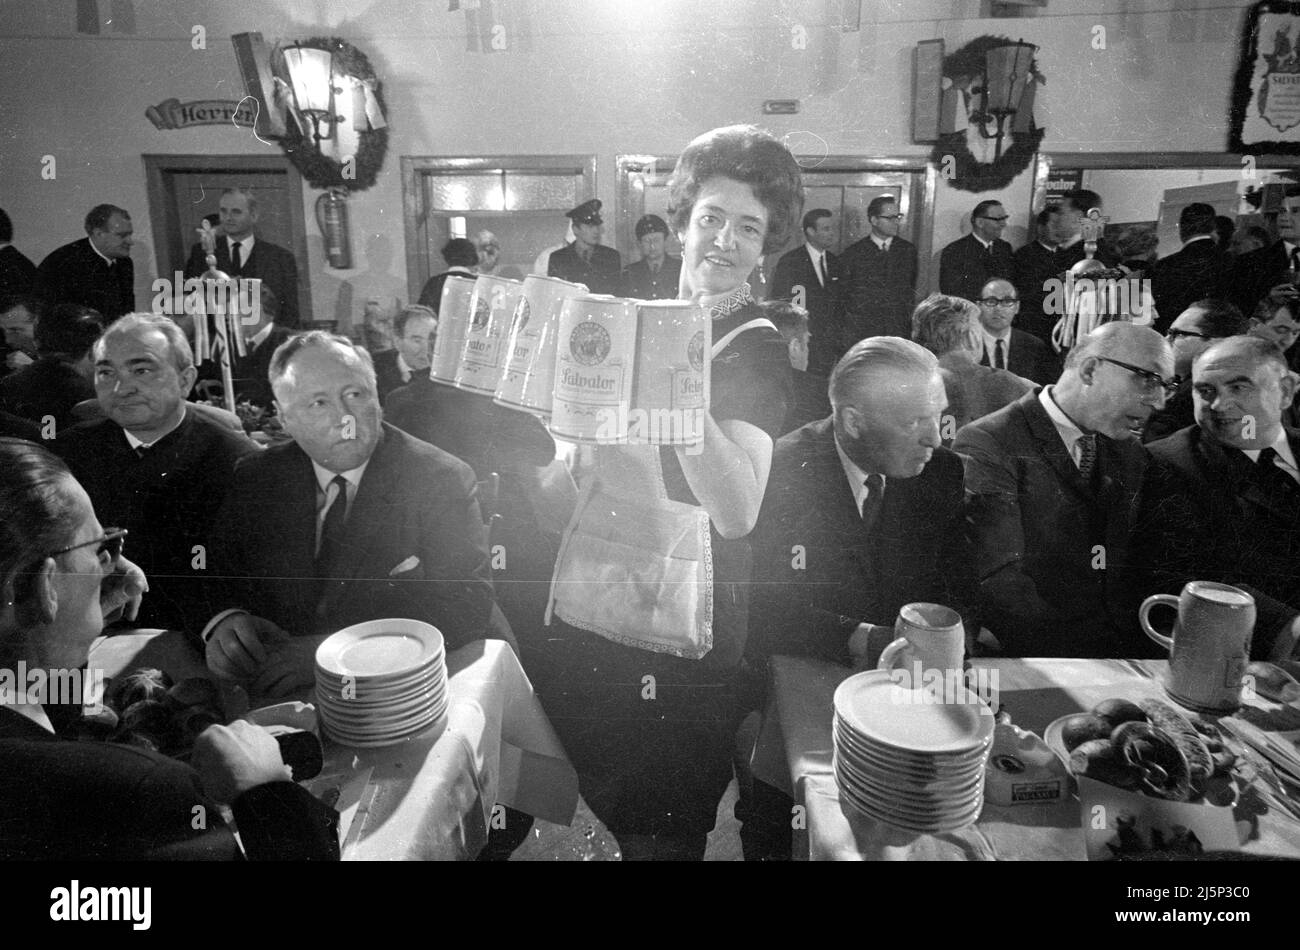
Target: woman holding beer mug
<point x="643" y="677"/>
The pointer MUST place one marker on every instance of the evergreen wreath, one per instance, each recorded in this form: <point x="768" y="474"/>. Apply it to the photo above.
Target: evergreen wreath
<point x="321" y="171"/>
<point x="969" y="173"/>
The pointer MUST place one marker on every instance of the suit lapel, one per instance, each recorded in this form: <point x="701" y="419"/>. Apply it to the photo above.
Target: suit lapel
<point x="1050" y="445"/>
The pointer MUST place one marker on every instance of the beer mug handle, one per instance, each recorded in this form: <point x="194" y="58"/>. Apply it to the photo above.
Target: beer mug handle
<point x="1145" y="609"/>
<point x="891" y="653"/>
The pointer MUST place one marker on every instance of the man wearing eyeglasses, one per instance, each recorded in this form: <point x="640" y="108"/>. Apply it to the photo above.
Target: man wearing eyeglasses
<point x="1191" y="333"/>
<point x="1275" y="320"/>
<point x="1050" y="482"/>
<point x="968" y="263"/>
<point x="878" y="282"/>
<point x="1006" y="347"/>
<point x="96" y="271"/>
<point x="1221" y="499"/>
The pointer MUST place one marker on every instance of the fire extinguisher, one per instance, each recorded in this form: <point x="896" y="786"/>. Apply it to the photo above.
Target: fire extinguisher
<point x="332" y="218"/>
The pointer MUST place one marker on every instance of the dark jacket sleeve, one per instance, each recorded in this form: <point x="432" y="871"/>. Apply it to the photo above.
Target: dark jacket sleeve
<point x="282" y="821"/>
<point x="1008" y="595"/>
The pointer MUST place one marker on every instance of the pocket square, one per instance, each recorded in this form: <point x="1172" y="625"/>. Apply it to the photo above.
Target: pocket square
<point x="410" y="564"/>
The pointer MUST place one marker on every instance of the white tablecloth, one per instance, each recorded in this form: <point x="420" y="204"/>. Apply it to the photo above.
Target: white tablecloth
<point x="794" y="751"/>
<point x="430" y="798"/>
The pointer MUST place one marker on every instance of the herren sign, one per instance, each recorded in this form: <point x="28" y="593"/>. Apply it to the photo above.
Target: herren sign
<point x="174" y="114"/>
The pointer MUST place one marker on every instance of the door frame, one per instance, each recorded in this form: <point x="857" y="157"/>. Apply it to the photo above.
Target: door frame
<point x="630" y="198"/>
<point x="415" y="217"/>
<point x="165" y="221"/>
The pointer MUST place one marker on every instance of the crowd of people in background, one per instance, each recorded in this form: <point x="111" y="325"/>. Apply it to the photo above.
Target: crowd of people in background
<point x="947" y="449"/>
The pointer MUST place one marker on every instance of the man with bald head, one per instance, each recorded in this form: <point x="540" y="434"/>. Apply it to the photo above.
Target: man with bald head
<point x="354" y="520"/>
<point x="1050" y="482"/>
<point x="1006" y="347"/>
<point x="1221" y="500"/>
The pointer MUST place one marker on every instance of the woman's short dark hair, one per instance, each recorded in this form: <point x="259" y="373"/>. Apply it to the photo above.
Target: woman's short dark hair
<point x="37" y="513"/>
<point x="747" y="154"/>
<point x="460" y="252"/>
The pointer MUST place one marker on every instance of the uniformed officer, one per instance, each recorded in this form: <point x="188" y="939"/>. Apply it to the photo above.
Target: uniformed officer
<point x="586" y="260"/>
<point x="655" y="276"/>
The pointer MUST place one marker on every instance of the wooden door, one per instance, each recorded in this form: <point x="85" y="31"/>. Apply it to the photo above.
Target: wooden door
<point x="185" y="188"/>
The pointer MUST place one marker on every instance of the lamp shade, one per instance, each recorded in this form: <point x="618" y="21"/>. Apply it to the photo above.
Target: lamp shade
<point x="310" y="75"/>
<point x="1007" y="74"/>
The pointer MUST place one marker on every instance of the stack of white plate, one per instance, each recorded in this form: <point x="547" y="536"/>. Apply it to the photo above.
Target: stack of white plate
<point x="380" y="682"/>
<point x="905" y="757"/>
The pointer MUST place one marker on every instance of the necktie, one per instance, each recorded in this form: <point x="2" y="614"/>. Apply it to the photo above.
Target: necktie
<point x="875" y="498"/>
<point x="1272" y="475"/>
<point x="999" y="358"/>
<point x="234" y="256"/>
<point x="1088" y="456"/>
<point x="821" y="269"/>
<point x="331" y="532"/>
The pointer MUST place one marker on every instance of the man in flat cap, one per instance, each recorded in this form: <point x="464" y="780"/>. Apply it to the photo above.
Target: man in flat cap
<point x="586" y="260"/>
<point x="655" y="276"/>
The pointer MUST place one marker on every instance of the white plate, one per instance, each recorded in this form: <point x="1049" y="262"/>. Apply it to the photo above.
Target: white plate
<point x="427" y="666"/>
<point x="368" y="697"/>
<point x="883" y="712"/>
<point x="380" y="648"/>
<point x="936" y="764"/>
<point x="922" y="788"/>
<point x="430" y="732"/>
<point x="926" y="822"/>
<point x="378" y="729"/>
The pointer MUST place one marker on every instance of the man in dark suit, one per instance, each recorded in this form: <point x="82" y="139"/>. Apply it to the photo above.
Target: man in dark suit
<point x="414" y="329"/>
<point x="1050" y="482"/>
<point x="1221" y="499"/>
<point x="657" y="275"/>
<point x="155" y="466"/>
<point x="1196" y="272"/>
<point x="460" y="256"/>
<point x="17" y="273"/>
<point x="809" y="277"/>
<point x="586" y="260"/>
<point x="1035" y="264"/>
<point x="1191" y="333"/>
<point x="406" y="540"/>
<point x="968" y="263"/>
<point x="18" y="319"/>
<point x="240" y="253"/>
<point x="1071" y="248"/>
<point x="263" y="334"/>
<point x="878" y="285"/>
<point x="96" y="271"/>
<point x="1254" y="274"/>
<point x="1006" y="347"/>
<point x="862" y="515"/>
<point x="49" y="389"/>
<point x="66" y="800"/>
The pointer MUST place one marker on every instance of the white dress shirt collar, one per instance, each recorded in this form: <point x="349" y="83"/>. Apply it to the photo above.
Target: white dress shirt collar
<point x="856" y="476"/>
<point x="882" y="243"/>
<point x="109" y="260"/>
<point x="404" y="368"/>
<point x="245" y="248"/>
<point x="1285" y="457"/>
<point x="1069" y="432"/>
<point x="353" y="477"/>
<point x="1198" y="237"/>
<point x="818" y="258"/>
<point x="987" y="245"/>
<point x="135" y="443"/>
<point x="258" y="338"/>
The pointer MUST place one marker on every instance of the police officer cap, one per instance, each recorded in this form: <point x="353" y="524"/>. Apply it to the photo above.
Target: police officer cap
<point x="586" y="213"/>
<point x="649" y="224"/>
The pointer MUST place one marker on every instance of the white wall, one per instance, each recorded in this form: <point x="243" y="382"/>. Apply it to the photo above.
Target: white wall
<point x="580" y="76"/>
